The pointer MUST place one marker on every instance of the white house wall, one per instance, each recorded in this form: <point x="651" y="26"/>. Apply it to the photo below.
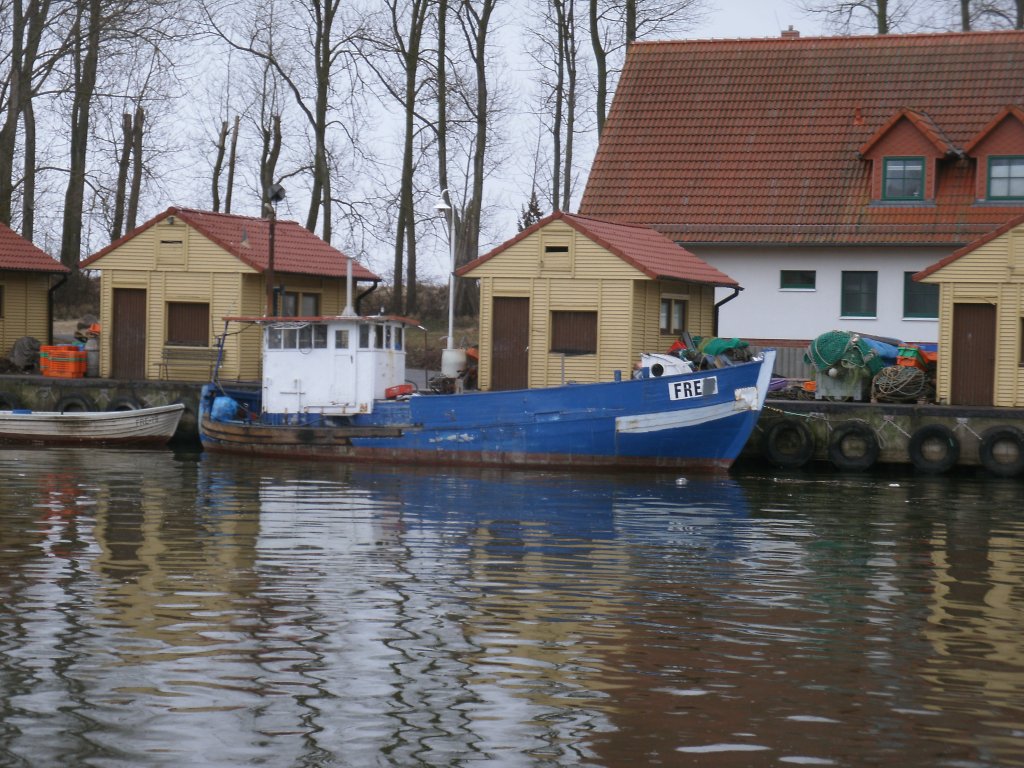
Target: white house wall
<point x="764" y="311"/>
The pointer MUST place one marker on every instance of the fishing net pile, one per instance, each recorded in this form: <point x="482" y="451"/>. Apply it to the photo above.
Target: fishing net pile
<point x="840" y="352"/>
<point x="896" y="374"/>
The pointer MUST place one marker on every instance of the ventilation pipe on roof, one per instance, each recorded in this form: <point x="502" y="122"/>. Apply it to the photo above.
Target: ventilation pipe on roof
<point x="790" y="34"/>
<point x="726" y="300"/>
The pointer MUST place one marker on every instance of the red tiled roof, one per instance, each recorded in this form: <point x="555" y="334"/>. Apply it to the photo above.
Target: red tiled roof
<point x="652" y="253"/>
<point x="757" y="140"/>
<point x="18" y="253"/>
<point x="296" y="249"/>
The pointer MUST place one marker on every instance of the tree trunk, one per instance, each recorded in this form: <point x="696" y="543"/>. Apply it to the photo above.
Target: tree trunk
<point x="9" y="131"/>
<point x="601" y="67"/>
<point x="121" y="189"/>
<point x="28" y="187"/>
<point x="232" y="158"/>
<point x="556" y="118"/>
<point x="218" y="165"/>
<point x="442" y="95"/>
<point x="136" y="188"/>
<point x="85" y="65"/>
<point x="569" y="55"/>
<point x="269" y="154"/>
<point x="466" y="304"/>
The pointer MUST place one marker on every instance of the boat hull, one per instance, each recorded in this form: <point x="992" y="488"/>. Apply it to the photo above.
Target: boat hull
<point x="697" y="421"/>
<point x="145" y="426"/>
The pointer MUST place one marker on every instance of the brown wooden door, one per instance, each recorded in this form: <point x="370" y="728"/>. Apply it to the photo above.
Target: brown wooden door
<point x="510" y="343"/>
<point x="128" y="339"/>
<point x="974" y="354"/>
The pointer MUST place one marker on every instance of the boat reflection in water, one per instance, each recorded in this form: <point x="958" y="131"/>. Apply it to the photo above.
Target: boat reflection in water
<point x="178" y="609"/>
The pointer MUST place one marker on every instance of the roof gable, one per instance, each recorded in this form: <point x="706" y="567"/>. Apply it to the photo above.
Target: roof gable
<point x="1010" y="112"/>
<point x="17" y="253"/>
<point x="756" y="141"/>
<point x="642" y="247"/>
<point x="925" y="126"/>
<point x="971" y="247"/>
<point x="296" y="249"/>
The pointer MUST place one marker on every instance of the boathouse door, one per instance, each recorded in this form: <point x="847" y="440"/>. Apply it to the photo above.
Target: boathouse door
<point x="128" y="335"/>
<point x="510" y="343"/>
<point x="974" y="354"/>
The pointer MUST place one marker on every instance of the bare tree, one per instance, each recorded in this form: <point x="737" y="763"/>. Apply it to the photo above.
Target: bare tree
<point x="393" y="50"/>
<point x="314" y="68"/>
<point x="872" y="16"/>
<point x="615" y="24"/>
<point x="990" y="14"/>
<point x="35" y="45"/>
<point x="475" y="23"/>
<point x="556" y="53"/>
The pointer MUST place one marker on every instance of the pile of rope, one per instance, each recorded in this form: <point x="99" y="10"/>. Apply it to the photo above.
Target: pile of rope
<point x="901" y="384"/>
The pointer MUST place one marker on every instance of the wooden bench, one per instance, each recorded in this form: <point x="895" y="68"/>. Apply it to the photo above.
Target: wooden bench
<point x="191" y="358"/>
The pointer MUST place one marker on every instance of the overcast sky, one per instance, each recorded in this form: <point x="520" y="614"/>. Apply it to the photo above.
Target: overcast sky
<point x="754" y="18"/>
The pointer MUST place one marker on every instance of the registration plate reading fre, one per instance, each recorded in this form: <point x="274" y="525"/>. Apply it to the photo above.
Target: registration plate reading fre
<point x="684" y="390"/>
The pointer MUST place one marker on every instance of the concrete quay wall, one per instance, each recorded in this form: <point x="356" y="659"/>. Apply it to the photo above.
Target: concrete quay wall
<point x="858" y="435"/>
<point x="45" y="393"/>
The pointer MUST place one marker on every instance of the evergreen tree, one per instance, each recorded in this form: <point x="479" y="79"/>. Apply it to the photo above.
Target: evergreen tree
<point x="531" y="214"/>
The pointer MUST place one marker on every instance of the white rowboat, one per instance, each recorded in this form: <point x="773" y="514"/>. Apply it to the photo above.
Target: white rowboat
<point x="145" y="426"/>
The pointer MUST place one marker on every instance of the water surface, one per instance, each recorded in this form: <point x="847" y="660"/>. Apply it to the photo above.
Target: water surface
<point x="161" y="609"/>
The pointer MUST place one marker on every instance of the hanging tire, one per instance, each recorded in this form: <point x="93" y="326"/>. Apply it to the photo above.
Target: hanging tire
<point x="1002" y="451"/>
<point x="74" y="404"/>
<point x="126" y="403"/>
<point x="934" y="449"/>
<point x="788" y="443"/>
<point x="853" y="446"/>
<point x="9" y="401"/>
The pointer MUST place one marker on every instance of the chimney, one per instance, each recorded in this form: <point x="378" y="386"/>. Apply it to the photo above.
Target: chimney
<point x="790" y="34"/>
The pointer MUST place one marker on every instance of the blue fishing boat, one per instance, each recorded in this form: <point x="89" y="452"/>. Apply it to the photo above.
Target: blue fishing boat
<point x="334" y="388"/>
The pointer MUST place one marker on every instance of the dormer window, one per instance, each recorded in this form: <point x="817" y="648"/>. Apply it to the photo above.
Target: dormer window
<point x="1006" y="178"/>
<point x="904" y="178"/>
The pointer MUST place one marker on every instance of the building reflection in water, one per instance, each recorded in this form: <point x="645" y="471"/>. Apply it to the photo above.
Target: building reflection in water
<point x="220" y="611"/>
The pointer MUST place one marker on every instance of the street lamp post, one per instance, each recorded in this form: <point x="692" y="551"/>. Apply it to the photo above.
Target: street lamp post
<point x="448" y="211"/>
<point x="275" y="194"/>
<point x="453" y="360"/>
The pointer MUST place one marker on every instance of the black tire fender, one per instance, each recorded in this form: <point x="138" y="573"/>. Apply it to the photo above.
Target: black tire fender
<point x="9" y="401"/>
<point x="74" y="404"/>
<point x="846" y="438"/>
<point x="990" y="454"/>
<point x="124" y="403"/>
<point x="788" y="443"/>
<point x="934" y="449"/>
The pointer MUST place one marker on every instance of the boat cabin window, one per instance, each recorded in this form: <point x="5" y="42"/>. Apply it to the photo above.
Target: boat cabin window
<point x="398" y="337"/>
<point x="341" y="338"/>
<point x="364" y="336"/>
<point x="378" y="337"/>
<point x="309" y="336"/>
<point x="313" y="337"/>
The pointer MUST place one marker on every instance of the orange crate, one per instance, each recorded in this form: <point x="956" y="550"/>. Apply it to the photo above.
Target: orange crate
<point x="61" y="369"/>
